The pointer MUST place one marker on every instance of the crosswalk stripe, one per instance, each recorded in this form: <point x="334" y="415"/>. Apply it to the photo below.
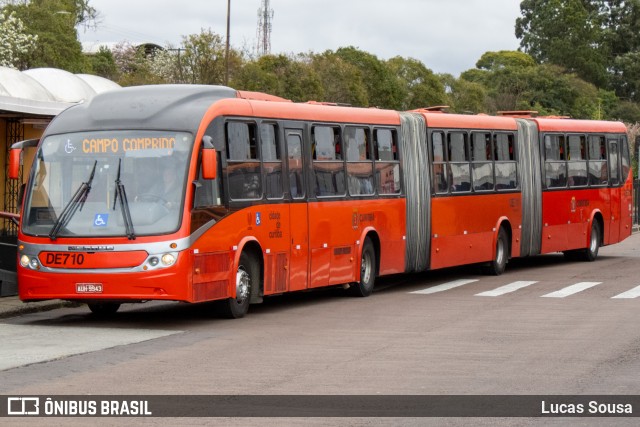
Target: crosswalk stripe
<point x="570" y="290"/>
<point x="631" y="293"/>
<point x="445" y="286"/>
<point x="511" y="287"/>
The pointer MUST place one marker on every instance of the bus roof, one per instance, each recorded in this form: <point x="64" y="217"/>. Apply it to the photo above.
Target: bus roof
<point x="463" y="121"/>
<point x="176" y="107"/>
<point x="578" y="126"/>
<point x="323" y="113"/>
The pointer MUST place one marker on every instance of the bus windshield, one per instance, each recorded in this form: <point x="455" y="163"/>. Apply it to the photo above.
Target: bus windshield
<point x="108" y="183"/>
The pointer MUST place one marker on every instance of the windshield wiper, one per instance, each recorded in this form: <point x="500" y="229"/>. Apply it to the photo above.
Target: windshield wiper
<point x="77" y="201"/>
<point x="124" y="205"/>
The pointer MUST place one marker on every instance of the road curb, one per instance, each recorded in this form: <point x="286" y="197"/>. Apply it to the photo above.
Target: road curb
<point x="12" y="307"/>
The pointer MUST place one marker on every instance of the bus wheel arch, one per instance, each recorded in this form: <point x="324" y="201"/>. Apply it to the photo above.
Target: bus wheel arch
<point x="247" y="282"/>
<point x="369" y="264"/>
<point x="502" y="250"/>
<point x="596" y="238"/>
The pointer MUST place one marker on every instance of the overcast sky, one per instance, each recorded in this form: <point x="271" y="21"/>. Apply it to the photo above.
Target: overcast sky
<point x="448" y="36"/>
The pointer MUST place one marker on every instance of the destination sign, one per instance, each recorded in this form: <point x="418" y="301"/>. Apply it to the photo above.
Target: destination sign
<point x="120" y="145"/>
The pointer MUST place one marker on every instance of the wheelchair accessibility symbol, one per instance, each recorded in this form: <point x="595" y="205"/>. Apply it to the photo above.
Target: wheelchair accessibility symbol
<point x="100" y="220"/>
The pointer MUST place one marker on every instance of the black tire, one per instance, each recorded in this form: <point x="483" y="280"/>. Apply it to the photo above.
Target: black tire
<point x="364" y="287"/>
<point x="103" y="309"/>
<point x="247" y="277"/>
<point x="501" y="256"/>
<point x="595" y="241"/>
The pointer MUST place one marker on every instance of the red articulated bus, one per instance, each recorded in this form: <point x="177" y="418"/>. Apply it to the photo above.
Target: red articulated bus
<point x="202" y="193"/>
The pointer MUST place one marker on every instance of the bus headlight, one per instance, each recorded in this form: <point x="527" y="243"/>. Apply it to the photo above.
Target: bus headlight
<point x="153" y="261"/>
<point x="30" y="262"/>
<point x="168" y="259"/>
<point x="24" y="260"/>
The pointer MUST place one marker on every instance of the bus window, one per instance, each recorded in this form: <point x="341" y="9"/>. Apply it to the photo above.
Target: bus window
<point x="555" y="165"/>
<point x="440" y="174"/>
<point x="458" y="152"/>
<point x="243" y="167"/>
<point x="359" y="164"/>
<point x="597" y="160"/>
<point x="482" y="161"/>
<point x="614" y="170"/>
<point x="506" y="169"/>
<point x="625" y="157"/>
<point x="271" y="161"/>
<point x="294" y="161"/>
<point x="328" y="166"/>
<point x="577" y="160"/>
<point x="387" y="163"/>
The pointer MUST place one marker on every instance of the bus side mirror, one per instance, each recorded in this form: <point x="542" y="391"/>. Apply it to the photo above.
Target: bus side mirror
<point x="14" y="162"/>
<point x="209" y="158"/>
<point x="209" y="163"/>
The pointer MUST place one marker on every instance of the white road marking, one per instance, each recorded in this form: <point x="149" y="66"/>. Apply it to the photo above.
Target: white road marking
<point x="570" y="290"/>
<point x="25" y="345"/>
<point x="511" y="287"/>
<point x="631" y="293"/>
<point x="445" y="286"/>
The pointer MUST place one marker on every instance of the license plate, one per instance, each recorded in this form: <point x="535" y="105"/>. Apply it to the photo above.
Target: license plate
<point x="88" y="288"/>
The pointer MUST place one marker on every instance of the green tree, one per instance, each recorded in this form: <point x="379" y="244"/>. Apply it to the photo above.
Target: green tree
<point x="133" y="67"/>
<point x="16" y="41"/>
<point x="383" y="88"/>
<point x="514" y="81"/>
<point x="568" y="33"/>
<point x="506" y="77"/>
<point x="203" y="58"/>
<point x="464" y="96"/>
<point x="103" y="64"/>
<point x="54" y="22"/>
<point x="420" y="87"/>
<point x="281" y="75"/>
<point x="341" y="81"/>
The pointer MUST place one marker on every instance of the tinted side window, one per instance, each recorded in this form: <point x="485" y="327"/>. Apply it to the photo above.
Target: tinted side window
<point x="387" y="164"/>
<point x="555" y="166"/>
<point x="505" y="156"/>
<point x="272" y="161"/>
<point x="359" y="163"/>
<point x="243" y="166"/>
<point x="328" y="166"/>
<point x="577" y="160"/>
<point x="440" y="167"/>
<point x="597" y="153"/>
<point x="482" y="161"/>
<point x="458" y="153"/>
<point x="294" y="163"/>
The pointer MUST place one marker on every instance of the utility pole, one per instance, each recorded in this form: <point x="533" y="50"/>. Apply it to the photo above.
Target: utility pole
<point x="226" y="55"/>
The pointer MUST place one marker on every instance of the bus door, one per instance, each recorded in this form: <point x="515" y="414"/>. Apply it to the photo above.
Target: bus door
<point x="298" y="212"/>
<point x="614" y="180"/>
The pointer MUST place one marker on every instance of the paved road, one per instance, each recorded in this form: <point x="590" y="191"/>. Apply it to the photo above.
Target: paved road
<point x="547" y="326"/>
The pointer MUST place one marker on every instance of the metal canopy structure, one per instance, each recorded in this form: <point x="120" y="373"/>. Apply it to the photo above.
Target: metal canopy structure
<point x="46" y="91"/>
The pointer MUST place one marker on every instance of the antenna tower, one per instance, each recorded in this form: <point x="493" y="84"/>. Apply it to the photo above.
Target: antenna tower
<point x="265" y="16"/>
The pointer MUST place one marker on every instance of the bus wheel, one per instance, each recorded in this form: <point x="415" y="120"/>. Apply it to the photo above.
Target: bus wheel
<point x="499" y="263"/>
<point x="364" y="287"/>
<point x="591" y="252"/>
<point x="103" y="309"/>
<point x="247" y="275"/>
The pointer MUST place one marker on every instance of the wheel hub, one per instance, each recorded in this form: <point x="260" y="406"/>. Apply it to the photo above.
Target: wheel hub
<point x="243" y="285"/>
